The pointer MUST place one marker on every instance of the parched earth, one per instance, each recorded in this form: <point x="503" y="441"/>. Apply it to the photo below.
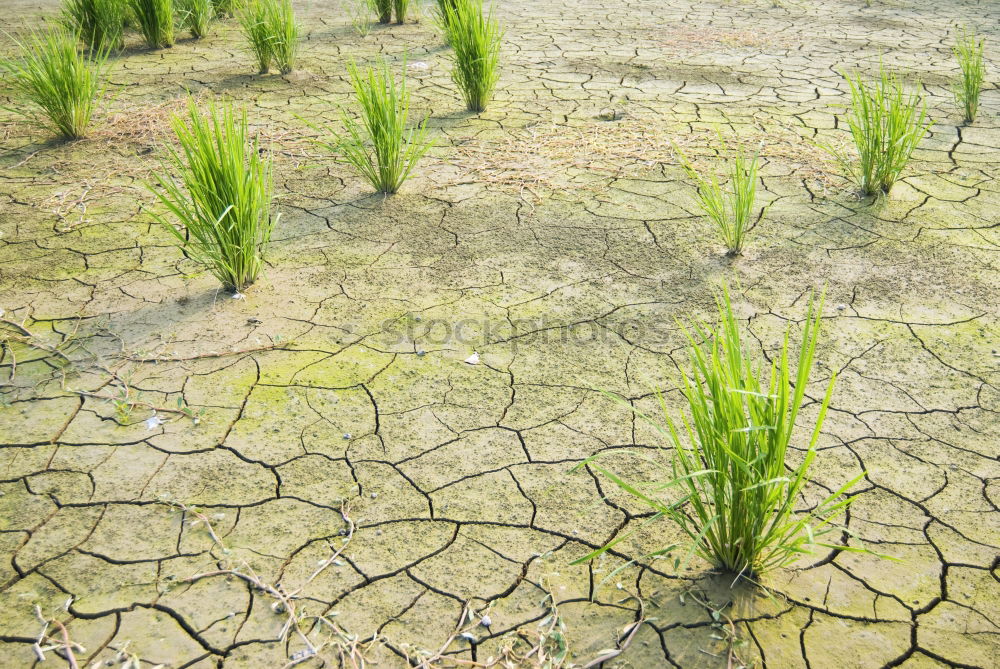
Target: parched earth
<point x="324" y="437"/>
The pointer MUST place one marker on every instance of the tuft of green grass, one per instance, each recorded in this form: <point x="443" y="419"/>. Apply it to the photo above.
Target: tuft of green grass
<point x="886" y="124"/>
<point x="380" y="147"/>
<point x="729" y="210"/>
<point x="729" y="484"/>
<point x="401" y="8"/>
<point x="475" y="38"/>
<point x="360" y="12"/>
<point x="284" y="35"/>
<point x="253" y="22"/>
<point x="272" y="33"/>
<point x="222" y="197"/>
<point x="383" y="9"/>
<point x="99" y="23"/>
<point x="59" y="82"/>
<point x="155" y="19"/>
<point x="195" y="16"/>
<point x="968" y="51"/>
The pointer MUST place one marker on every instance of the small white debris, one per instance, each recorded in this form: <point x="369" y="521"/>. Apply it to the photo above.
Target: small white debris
<point x="239" y="296"/>
<point x="841" y="307"/>
<point x="153" y="422"/>
<point x="466" y="636"/>
<point x="472" y="359"/>
<point x="486" y="621"/>
<point x="418" y="65"/>
<point x="374" y="495"/>
<point x="347" y="436"/>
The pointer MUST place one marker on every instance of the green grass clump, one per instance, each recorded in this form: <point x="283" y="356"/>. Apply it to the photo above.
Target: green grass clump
<point x="380" y="146"/>
<point x="285" y="32"/>
<point x="886" y="125"/>
<point x="731" y="211"/>
<point x="968" y="51"/>
<point x="222" y="198"/>
<point x="401" y="8"/>
<point x="729" y="485"/>
<point x="383" y="9"/>
<point x="272" y="33"/>
<point x="196" y="15"/>
<point x="155" y="19"/>
<point x="253" y="22"/>
<point x="60" y="83"/>
<point x="99" y="23"/>
<point x="360" y="12"/>
<point x="475" y="39"/>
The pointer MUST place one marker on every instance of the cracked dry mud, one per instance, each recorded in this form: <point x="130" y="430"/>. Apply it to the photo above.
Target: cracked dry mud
<point x="560" y="246"/>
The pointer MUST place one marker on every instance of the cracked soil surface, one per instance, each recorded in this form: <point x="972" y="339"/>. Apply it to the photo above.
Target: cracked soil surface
<point x="560" y="246"/>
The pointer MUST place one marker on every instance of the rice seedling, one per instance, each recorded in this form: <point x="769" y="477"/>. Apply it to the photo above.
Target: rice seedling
<point x="401" y="8"/>
<point x="968" y="51"/>
<point x="475" y="39"/>
<point x="222" y="197"/>
<point x="728" y="484"/>
<point x="253" y="22"/>
<point x="271" y="33"/>
<point x="59" y="82"/>
<point x="155" y="19"/>
<point x="886" y="125"/>
<point x="195" y="16"/>
<point x="284" y="31"/>
<point x="383" y="9"/>
<point x="380" y="147"/>
<point x="360" y="12"/>
<point x="729" y="210"/>
<point x="100" y="23"/>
